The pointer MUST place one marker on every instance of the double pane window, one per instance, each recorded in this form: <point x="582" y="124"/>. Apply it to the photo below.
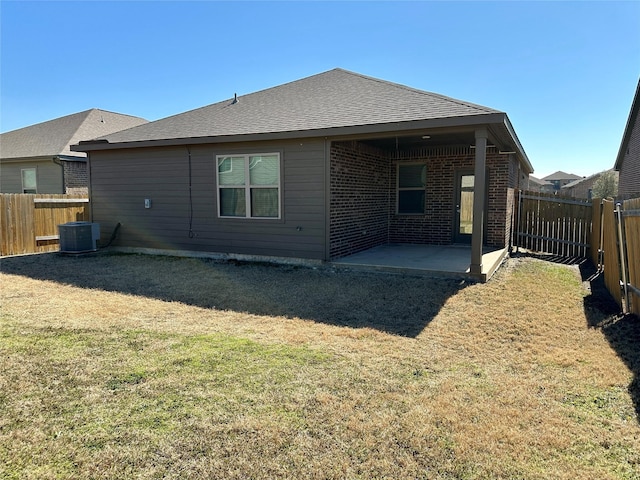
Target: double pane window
<point x="29" y="180"/>
<point x="249" y="185"/>
<point x="412" y="181"/>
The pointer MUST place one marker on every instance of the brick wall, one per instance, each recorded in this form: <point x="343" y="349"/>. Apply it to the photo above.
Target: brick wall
<point x="359" y="206"/>
<point x="436" y="225"/>
<point x="76" y="179"/>
<point x="363" y="197"/>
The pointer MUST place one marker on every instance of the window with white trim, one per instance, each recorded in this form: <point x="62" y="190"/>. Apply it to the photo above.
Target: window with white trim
<point x="248" y="185"/>
<point x="412" y="182"/>
<point x="29" y="180"/>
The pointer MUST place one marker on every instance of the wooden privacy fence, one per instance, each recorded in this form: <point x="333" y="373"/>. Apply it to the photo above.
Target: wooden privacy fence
<point x="29" y="222"/>
<point x="618" y="252"/>
<point x="552" y="224"/>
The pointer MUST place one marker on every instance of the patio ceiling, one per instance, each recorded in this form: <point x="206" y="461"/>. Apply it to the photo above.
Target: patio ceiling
<point x="422" y="140"/>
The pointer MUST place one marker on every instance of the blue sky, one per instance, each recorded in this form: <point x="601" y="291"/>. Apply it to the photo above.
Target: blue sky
<point x="565" y="72"/>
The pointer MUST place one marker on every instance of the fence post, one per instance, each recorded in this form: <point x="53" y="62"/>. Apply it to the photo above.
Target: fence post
<point x="623" y="267"/>
<point x="518" y="239"/>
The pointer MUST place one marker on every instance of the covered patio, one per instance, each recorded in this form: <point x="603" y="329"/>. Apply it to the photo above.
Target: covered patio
<point x="437" y="260"/>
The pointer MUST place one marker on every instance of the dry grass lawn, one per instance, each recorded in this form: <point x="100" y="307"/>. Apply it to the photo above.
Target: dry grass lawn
<point x="126" y="366"/>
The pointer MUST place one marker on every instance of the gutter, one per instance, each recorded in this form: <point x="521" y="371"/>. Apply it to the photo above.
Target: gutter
<point x="378" y="128"/>
<point x="512" y="133"/>
<point x="626" y="135"/>
<point x="58" y="161"/>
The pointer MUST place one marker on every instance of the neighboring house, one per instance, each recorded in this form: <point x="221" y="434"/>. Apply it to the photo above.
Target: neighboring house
<point x="628" y="161"/>
<point x="37" y="159"/>
<point x="537" y="185"/>
<point x="560" y="179"/>
<point x="315" y="169"/>
<point x="581" y="188"/>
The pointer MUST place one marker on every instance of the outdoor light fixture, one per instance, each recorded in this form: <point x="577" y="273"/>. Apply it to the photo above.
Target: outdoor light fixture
<point x="426" y="137"/>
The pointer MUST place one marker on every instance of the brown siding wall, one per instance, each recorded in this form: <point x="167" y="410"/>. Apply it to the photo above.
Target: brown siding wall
<point x="629" y="180"/>
<point x="363" y="212"/>
<point x="121" y="180"/>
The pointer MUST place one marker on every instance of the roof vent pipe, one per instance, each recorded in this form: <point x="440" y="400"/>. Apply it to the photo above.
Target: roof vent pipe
<point x="235" y="99"/>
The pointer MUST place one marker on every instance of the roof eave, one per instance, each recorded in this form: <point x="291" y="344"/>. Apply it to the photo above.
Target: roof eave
<point x="524" y="159"/>
<point x="626" y="136"/>
<point x="473" y="120"/>
<point x="37" y="158"/>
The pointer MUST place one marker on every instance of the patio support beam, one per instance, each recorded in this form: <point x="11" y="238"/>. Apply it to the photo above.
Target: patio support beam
<point x="479" y="186"/>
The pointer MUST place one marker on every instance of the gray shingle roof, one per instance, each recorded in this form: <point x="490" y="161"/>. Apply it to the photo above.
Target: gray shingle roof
<point x="584" y="179"/>
<point x="537" y="181"/>
<point x="54" y="137"/>
<point x="333" y="99"/>
<point x="560" y="175"/>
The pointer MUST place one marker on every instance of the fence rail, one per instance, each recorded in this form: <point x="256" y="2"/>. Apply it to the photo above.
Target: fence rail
<point x="551" y="224"/>
<point x="618" y="242"/>
<point x="29" y="222"/>
<point x="607" y="231"/>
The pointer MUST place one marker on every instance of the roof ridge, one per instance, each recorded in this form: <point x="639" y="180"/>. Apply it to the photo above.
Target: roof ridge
<point x="84" y="115"/>
<point x="117" y="113"/>
<point x="229" y="99"/>
<point x="47" y="121"/>
<point x="417" y="90"/>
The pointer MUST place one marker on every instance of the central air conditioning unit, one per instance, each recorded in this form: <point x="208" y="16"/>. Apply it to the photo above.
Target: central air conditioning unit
<point x="78" y="237"/>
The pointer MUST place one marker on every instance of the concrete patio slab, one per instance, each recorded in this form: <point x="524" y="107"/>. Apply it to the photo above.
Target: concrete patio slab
<point x="438" y="260"/>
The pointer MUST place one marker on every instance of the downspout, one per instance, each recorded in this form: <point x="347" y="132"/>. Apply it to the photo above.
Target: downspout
<point x="89" y="186"/>
<point x="58" y="162"/>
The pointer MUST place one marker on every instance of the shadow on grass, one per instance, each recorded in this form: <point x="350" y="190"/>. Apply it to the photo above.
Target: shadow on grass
<point x="399" y="305"/>
<point x="621" y="331"/>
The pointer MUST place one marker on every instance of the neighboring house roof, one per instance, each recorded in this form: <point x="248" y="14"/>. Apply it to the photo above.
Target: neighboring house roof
<point x="583" y="179"/>
<point x="53" y="138"/>
<point x="634" y="114"/>
<point x="337" y="102"/>
<point x="577" y="182"/>
<point x="559" y="175"/>
<point x="537" y="181"/>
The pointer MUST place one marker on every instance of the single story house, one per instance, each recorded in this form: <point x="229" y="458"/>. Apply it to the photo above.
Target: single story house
<point x="38" y="158"/>
<point x="316" y="169"/>
<point x="628" y="160"/>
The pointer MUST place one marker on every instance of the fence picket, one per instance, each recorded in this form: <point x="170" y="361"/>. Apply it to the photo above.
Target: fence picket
<point x="551" y="224"/>
<point x="25" y="217"/>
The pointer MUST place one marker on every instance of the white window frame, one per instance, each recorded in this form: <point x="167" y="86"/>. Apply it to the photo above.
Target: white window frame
<point x="248" y="186"/>
<point x="35" y="173"/>
<point x="405" y="189"/>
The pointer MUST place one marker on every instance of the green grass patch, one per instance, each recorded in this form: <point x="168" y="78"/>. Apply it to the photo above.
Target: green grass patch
<point x="314" y="376"/>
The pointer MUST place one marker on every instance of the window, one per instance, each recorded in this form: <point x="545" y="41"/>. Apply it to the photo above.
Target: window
<point x="412" y="180"/>
<point x="29" y="180"/>
<point x="249" y="185"/>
